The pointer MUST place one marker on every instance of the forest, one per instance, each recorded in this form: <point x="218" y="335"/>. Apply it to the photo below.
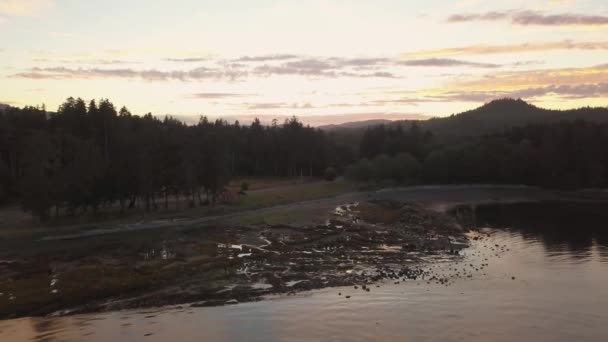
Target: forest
<point x="564" y="155"/>
<point x="88" y="155"/>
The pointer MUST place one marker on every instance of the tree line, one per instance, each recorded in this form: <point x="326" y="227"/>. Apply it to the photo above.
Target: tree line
<point x="87" y="155"/>
<point x="567" y="154"/>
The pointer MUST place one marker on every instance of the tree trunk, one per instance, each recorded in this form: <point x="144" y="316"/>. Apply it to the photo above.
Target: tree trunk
<point x="147" y="202"/>
<point x="132" y="203"/>
<point x="200" y="200"/>
<point x="105" y="124"/>
<point x="154" y="205"/>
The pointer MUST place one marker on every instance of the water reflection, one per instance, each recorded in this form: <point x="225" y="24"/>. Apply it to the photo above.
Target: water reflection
<point x="575" y="230"/>
<point x="46" y="330"/>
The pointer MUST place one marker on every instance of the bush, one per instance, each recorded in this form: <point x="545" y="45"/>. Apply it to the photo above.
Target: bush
<point x="407" y="168"/>
<point x="330" y="174"/>
<point x="402" y="168"/>
<point x="360" y="171"/>
<point x="383" y="167"/>
<point x="244" y="186"/>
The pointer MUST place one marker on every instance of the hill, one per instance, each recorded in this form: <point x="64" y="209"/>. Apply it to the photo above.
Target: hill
<point x="356" y="124"/>
<point x="503" y="114"/>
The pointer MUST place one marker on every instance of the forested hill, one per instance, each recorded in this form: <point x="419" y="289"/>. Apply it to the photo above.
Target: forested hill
<point x="500" y="115"/>
<point x="355" y="124"/>
<point x="494" y="117"/>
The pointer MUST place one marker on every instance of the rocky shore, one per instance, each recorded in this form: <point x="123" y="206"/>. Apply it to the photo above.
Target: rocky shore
<point x="362" y="244"/>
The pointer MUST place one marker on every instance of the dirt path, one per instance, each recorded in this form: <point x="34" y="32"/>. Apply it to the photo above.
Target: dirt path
<point x="437" y="197"/>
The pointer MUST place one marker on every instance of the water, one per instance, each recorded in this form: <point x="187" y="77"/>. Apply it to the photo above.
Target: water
<point x="557" y="255"/>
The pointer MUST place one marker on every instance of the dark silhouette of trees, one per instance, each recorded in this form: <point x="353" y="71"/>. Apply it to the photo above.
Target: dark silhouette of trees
<point x="84" y="157"/>
<point x="88" y="156"/>
<point x="394" y="139"/>
<point x="563" y="155"/>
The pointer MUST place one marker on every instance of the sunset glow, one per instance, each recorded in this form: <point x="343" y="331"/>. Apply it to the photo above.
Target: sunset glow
<point x="324" y="61"/>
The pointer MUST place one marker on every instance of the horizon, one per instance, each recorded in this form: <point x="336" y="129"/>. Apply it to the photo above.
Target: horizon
<point x="318" y="62"/>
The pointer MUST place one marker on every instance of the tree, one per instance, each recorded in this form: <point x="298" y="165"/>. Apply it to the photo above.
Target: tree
<point x="36" y="185"/>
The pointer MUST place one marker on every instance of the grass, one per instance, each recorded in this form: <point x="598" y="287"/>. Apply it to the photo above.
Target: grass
<point x="263" y="193"/>
<point x="287" y="216"/>
<point x="296" y="193"/>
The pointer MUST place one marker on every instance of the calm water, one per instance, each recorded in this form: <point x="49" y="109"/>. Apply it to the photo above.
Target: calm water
<point x="558" y="255"/>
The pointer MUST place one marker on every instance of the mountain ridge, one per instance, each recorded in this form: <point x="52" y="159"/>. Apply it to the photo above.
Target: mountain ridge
<point x="501" y="114"/>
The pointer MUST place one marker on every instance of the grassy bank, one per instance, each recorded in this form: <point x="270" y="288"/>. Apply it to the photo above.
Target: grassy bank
<point x="264" y="193"/>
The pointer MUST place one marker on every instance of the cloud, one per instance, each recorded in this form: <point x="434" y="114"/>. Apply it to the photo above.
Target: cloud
<point x="23" y="8"/>
<point x="359" y="62"/>
<point x="261" y="58"/>
<point x="526" y="63"/>
<point x="266" y="58"/>
<point x="330" y="67"/>
<point x="218" y="95"/>
<point x="148" y="75"/>
<point x="561" y="84"/>
<point x="187" y="60"/>
<point x="580" y="91"/>
<point x="278" y="105"/>
<point x="458" y="18"/>
<point x="509" y="48"/>
<point x="316" y="67"/>
<point x="85" y="61"/>
<point x="514" y="80"/>
<point x="447" y="62"/>
<point x="527" y="18"/>
<point x="565" y="83"/>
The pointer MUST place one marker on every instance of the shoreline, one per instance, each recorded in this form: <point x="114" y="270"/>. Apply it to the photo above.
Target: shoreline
<point x="157" y="266"/>
<point x="434" y="195"/>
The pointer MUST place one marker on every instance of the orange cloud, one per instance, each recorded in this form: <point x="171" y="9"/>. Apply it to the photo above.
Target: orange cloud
<point x="483" y="49"/>
<point x="538" y="78"/>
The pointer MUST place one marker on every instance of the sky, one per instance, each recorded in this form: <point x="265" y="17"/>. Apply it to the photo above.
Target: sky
<point x="323" y="61"/>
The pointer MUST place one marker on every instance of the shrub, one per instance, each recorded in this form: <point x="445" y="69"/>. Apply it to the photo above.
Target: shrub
<point x="360" y="171"/>
<point x="402" y="168"/>
<point x="383" y="167"/>
<point x="330" y="174"/>
<point x="407" y="168"/>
